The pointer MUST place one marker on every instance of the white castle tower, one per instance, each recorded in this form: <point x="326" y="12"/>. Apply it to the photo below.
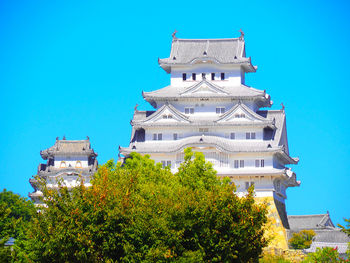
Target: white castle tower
<point x="68" y="161"/>
<point x="208" y="107"/>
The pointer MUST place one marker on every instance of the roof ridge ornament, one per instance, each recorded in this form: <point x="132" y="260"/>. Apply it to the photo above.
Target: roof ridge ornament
<point x="174" y="35"/>
<point x="241" y="37"/>
<point x="282" y="107"/>
<point x="135" y="108"/>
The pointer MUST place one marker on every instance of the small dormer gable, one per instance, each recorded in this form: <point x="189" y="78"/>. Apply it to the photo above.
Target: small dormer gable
<point x="241" y="113"/>
<point x="166" y="114"/>
<point x="204" y="87"/>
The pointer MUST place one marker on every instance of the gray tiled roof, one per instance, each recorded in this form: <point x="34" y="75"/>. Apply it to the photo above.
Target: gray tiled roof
<point x="240" y="92"/>
<point x="331" y="235"/>
<point x="220" y="51"/>
<point x="300" y="222"/>
<point x="223" y="144"/>
<point x="69" y="147"/>
<point x="341" y="247"/>
<point x="140" y="118"/>
<point x="275" y="116"/>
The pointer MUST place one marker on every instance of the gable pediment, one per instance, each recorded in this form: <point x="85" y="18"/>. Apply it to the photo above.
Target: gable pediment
<point x="204" y="87"/>
<point x="166" y="114"/>
<point x="241" y="113"/>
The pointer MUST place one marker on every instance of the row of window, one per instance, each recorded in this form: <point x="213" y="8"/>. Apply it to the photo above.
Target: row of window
<point x="240" y="163"/>
<point x="248" y="135"/>
<point x="237" y="163"/>
<point x="166" y="163"/>
<point x="186" y="76"/>
<point x="64" y="165"/>
<point x="219" y="110"/>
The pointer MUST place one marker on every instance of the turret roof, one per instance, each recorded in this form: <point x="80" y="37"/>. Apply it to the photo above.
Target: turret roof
<point x="310" y="221"/>
<point x="69" y="147"/>
<point x="219" y="51"/>
<point x="227" y="92"/>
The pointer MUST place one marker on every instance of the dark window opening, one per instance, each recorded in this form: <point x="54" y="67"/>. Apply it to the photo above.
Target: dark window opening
<point x="184" y="77"/>
<point x="222" y="76"/>
<point x="212" y="76"/>
<point x="193" y="76"/>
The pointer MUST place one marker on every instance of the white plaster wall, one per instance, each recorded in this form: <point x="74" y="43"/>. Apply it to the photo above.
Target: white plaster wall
<point x="233" y="75"/>
<point x="71" y="161"/>
<point x="224" y="132"/>
<point x="206" y="108"/>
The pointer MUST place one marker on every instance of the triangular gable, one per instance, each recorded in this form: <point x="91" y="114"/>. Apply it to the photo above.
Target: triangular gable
<point x="241" y="113"/>
<point x="204" y="87"/>
<point x="166" y="114"/>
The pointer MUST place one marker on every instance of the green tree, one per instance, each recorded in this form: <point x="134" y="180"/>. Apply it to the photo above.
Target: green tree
<point x="326" y="254"/>
<point x="140" y="212"/>
<point x="15" y="213"/>
<point x="302" y="239"/>
<point x="346" y="230"/>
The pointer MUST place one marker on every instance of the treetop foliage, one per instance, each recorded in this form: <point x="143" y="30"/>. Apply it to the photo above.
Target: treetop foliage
<point x="302" y="239"/>
<point x="140" y="212"/>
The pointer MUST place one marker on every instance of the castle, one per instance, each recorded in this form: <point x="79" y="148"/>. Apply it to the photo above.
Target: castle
<point x="207" y="107"/>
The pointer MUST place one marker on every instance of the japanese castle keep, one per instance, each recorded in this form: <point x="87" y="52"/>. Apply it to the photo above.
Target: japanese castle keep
<point x="66" y="160"/>
<point x="208" y="107"/>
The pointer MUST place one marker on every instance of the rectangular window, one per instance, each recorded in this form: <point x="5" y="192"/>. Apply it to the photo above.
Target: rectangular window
<point x="212" y="76"/>
<point x="163" y="164"/>
<point x="203" y="75"/>
<point x="175" y="136"/>
<point x="160" y="137"/>
<point x="220" y="110"/>
<point x="252" y="136"/>
<point x="189" y="110"/>
<point x="236" y="164"/>
<point x="222" y="76"/>
<point x="233" y="136"/>
<point x="184" y="77"/>
<point x="241" y="163"/>
<point x="154" y="136"/>
<point x="193" y="76"/>
<point x="262" y="163"/>
<point x="168" y="163"/>
<point x="257" y="163"/>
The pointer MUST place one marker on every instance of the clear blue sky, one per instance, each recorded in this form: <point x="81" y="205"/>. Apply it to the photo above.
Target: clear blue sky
<point x="78" y="68"/>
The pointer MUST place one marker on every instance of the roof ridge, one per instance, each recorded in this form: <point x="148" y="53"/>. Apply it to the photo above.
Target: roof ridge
<point x="307" y="215"/>
<point x="208" y="39"/>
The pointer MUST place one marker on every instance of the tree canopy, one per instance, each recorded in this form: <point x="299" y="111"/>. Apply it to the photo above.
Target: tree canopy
<point x="15" y="213"/>
<point x="302" y="239"/>
<point x="141" y="212"/>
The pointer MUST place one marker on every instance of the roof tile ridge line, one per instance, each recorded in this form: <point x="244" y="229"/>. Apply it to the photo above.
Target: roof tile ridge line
<point x="201" y="82"/>
<point x="206" y="47"/>
<point x="228" y="112"/>
<point x="252" y="88"/>
<point x="171" y="55"/>
<point x="242" y="49"/>
<point x="308" y="215"/>
<point x="206" y="39"/>
<point x="253" y="112"/>
<point x="160" y="110"/>
<point x="170" y="106"/>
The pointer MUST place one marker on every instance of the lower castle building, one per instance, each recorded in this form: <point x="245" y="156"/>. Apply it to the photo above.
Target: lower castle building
<point x="67" y="161"/>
